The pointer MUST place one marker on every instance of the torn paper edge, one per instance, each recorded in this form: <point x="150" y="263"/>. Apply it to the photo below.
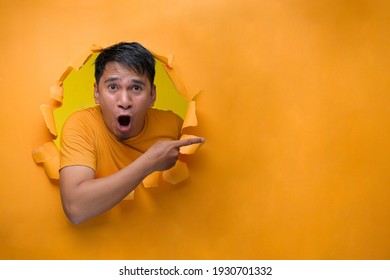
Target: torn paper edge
<point x="49" y="156"/>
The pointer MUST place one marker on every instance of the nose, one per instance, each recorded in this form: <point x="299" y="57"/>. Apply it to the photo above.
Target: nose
<point x="124" y="100"/>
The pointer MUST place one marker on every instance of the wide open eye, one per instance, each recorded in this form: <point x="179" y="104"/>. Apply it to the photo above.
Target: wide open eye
<point x="112" y="87"/>
<point x="137" y="88"/>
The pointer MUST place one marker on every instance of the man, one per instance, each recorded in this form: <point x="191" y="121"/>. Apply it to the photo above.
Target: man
<point x="107" y="150"/>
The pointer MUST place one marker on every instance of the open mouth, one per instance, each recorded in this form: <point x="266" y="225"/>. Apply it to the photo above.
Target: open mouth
<point x="124" y="120"/>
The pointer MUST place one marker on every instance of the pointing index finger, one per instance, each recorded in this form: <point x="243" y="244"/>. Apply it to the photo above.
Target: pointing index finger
<point x="189" y="141"/>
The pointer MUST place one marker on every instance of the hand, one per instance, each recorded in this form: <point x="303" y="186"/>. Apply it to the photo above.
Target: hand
<point x="164" y="154"/>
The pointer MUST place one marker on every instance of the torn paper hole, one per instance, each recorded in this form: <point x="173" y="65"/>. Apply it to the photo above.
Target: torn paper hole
<point x="176" y="174"/>
<point x="178" y="100"/>
<point x="152" y="180"/>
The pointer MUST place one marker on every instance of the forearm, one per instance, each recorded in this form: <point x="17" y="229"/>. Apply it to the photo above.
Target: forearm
<point x="84" y="197"/>
<point x="92" y="197"/>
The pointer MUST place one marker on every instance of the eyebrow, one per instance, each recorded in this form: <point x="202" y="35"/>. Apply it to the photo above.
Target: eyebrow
<point x="114" y="79"/>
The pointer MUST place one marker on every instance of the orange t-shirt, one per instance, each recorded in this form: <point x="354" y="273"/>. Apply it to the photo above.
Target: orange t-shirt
<point x="86" y="140"/>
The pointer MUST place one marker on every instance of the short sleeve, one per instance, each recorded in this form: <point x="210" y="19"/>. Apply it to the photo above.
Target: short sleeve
<point x="77" y="143"/>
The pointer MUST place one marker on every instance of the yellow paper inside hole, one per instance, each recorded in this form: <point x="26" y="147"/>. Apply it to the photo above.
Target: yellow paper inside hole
<point x="78" y="93"/>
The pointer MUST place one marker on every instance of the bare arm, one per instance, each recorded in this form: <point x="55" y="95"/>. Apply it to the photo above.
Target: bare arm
<point x="84" y="196"/>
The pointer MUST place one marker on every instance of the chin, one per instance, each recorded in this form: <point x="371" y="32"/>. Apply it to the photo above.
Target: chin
<point x="122" y="137"/>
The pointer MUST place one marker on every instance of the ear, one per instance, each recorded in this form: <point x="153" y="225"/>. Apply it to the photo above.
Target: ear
<point x="96" y="93"/>
<point x="153" y="93"/>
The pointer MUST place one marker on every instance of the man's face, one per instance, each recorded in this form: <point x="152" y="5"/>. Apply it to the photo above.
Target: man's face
<point x="124" y="97"/>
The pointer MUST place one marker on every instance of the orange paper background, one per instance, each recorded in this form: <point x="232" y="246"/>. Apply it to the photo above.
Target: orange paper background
<point x="294" y="106"/>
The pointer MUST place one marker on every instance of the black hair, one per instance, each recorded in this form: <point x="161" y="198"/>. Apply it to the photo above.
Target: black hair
<point x="131" y="55"/>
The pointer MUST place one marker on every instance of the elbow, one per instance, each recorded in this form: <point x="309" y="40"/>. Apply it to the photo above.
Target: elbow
<point x="74" y="220"/>
<point x="72" y="209"/>
<point x="73" y="213"/>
